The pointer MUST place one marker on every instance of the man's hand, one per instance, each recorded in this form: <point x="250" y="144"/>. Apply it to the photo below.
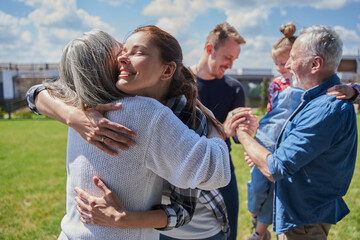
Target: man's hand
<point x="250" y="125"/>
<point x="101" y="132"/>
<point x="241" y="118"/>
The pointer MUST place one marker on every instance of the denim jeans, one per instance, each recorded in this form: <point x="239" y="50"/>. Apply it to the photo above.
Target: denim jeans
<point x="219" y="236"/>
<point x="260" y="196"/>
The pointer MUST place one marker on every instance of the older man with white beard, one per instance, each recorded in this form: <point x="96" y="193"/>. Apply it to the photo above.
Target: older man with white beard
<point x="314" y="160"/>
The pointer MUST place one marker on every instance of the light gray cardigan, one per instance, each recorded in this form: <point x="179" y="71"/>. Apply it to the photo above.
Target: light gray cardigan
<point x="166" y="148"/>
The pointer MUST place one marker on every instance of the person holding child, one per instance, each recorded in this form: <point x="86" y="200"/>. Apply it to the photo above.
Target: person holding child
<point x="280" y="106"/>
<point x="314" y="157"/>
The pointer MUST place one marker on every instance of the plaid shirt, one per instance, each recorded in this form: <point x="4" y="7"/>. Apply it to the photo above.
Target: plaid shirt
<point x="183" y="201"/>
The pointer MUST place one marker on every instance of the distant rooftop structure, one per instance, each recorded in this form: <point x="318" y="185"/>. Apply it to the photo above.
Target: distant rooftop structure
<point x="29" y="66"/>
<point x="249" y="71"/>
<point x="251" y="79"/>
<point x="16" y="79"/>
<point x="349" y="68"/>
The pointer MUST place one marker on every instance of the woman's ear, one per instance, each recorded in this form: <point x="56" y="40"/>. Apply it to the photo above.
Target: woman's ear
<point x="169" y="70"/>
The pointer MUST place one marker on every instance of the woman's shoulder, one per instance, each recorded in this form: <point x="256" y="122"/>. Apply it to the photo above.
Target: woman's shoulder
<point x="135" y="111"/>
<point x="140" y="101"/>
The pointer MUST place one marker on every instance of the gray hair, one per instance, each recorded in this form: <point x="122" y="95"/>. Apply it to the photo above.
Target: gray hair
<point x="88" y="71"/>
<point x="324" y="42"/>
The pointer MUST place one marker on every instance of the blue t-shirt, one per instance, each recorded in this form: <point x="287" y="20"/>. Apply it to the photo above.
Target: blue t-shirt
<point x="314" y="161"/>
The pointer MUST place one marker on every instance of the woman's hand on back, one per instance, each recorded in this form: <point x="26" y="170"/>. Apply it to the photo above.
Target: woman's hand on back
<point x="100" y="131"/>
<point x="106" y="210"/>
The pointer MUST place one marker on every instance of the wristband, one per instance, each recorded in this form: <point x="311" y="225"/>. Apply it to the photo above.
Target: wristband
<point x="357" y="92"/>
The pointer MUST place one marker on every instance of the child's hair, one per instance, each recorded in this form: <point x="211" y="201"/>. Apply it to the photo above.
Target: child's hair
<point x="286" y="42"/>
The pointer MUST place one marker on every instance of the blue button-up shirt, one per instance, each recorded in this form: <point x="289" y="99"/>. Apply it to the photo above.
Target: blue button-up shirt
<point x="314" y="161"/>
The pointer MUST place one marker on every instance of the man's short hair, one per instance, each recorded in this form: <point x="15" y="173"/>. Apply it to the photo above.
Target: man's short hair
<point x="221" y="32"/>
<point x="322" y="41"/>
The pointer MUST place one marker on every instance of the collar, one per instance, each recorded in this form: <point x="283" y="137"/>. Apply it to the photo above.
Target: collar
<point x="321" y="88"/>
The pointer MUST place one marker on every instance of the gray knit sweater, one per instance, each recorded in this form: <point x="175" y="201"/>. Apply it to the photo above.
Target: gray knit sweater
<point x="166" y="148"/>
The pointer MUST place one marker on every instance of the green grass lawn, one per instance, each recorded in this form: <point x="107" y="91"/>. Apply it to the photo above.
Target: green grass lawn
<point x="33" y="178"/>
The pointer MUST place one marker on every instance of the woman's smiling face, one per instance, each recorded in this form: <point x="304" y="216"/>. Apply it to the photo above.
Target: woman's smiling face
<point x="141" y="67"/>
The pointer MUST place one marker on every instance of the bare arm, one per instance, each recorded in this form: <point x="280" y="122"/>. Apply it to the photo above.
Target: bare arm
<point x="90" y="124"/>
<point x="109" y="211"/>
<point x="256" y="152"/>
<point x="344" y="91"/>
<point x="55" y="108"/>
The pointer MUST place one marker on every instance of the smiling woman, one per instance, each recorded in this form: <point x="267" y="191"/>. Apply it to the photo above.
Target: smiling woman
<point x="142" y="71"/>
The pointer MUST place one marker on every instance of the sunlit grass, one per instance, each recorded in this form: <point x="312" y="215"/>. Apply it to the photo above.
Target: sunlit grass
<point x="33" y="178"/>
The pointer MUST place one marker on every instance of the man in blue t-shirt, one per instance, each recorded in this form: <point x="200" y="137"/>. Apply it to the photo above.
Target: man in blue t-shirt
<point x="314" y="159"/>
<point x="222" y="94"/>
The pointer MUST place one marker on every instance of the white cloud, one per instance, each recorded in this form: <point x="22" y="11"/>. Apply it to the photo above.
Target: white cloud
<point x="256" y="52"/>
<point x="116" y="3"/>
<point x="26" y="37"/>
<point x="248" y="20"/>
<point x="249" y="17"/>
<point x="193" y="49"/>
<point x="173" y="25"/>
<point x="64" y="15"/>
<point x="319" y="4"/>
<point x="348" y="36"/>
<point x="90" y="22"/>
<point x="56" y="22"/>
<point x="10" y="28"/>
<point x="167" y="8"/>
<point x="246" y="16"/>
<point x="175" y="16"/>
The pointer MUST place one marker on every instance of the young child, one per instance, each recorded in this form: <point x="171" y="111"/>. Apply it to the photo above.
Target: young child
<point x="284" y="98"/>
<point x="260" y="189"/>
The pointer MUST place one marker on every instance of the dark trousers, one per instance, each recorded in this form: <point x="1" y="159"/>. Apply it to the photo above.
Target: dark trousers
<point x="231" y="198"/>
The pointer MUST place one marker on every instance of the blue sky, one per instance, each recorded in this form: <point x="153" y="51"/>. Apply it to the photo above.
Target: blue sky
<point x="35" y="31"/>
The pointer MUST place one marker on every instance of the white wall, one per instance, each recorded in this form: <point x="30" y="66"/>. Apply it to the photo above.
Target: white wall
<point x="8" y="84"/>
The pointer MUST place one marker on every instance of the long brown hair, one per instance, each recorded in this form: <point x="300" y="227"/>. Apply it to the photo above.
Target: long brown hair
<point x="183" y="81"/>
